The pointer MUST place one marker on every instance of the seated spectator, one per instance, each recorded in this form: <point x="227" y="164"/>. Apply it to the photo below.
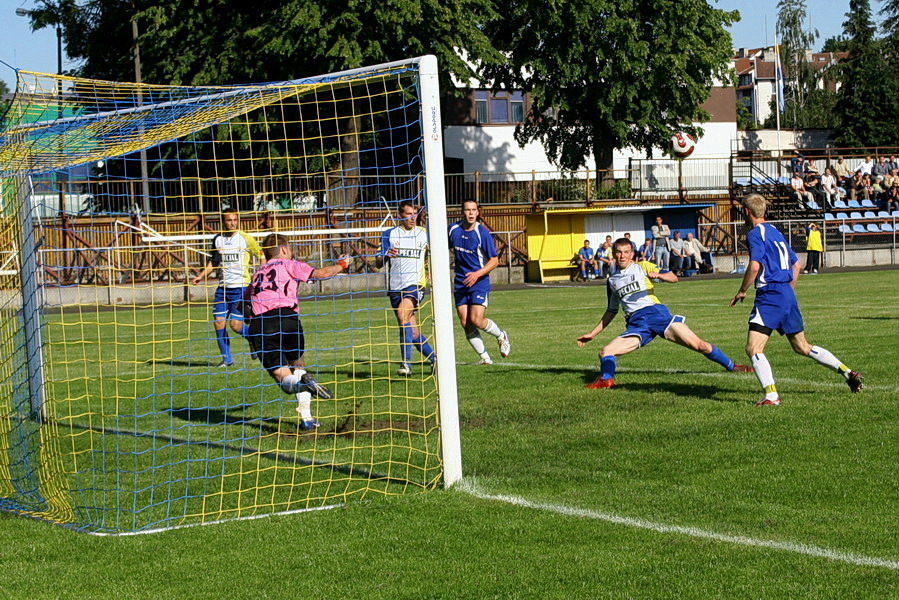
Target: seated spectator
<point x="890" y="180"/>
<point x="891" y="202"/>
<point x="858" y="187"/>
<point x="693" y="250"/>
<point x="880" y="168"/>
<point x="799" y="193"/>
<point x="842" y="171"/>
<point x="627" y="236"/>
<point x="877" y="189"/>
<point x="646" y="251"/>
<point x="813" y="186"/>
<point x="866" y="166"/>
<point x="587" y="260"/>
<point x="677" y="259"/>
<point x="891" y="162"/>
<point x="810" y="166"/>
<point x="832" y="191"/>
<point x="604" y="258"/>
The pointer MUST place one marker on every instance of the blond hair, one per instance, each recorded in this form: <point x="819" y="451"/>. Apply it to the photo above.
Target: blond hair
<point x="755" y="204"/>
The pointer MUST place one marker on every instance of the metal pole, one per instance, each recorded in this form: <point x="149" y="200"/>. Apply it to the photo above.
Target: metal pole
<point x="144" y="176"/>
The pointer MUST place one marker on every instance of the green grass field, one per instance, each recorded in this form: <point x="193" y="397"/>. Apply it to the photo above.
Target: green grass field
<point x="670" y="485"/>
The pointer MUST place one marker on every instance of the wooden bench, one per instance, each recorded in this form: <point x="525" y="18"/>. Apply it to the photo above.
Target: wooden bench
<point x="552" y="270"/>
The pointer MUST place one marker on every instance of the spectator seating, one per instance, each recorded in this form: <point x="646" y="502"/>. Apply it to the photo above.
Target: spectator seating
<point x="868" y="204"/>
<point x="840" y="204"/>
<point x="857" y="224"/>
<point x="854" y="204"/>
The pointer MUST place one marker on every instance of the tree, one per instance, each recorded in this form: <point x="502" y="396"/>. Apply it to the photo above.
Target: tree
<point x="866" y="103"/>
<point x="607" y="74"/>
<point x="795" y="41"/>
<point x="214" y="42"/>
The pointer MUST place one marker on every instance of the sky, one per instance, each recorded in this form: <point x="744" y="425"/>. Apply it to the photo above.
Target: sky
<point x="36" y="51"/>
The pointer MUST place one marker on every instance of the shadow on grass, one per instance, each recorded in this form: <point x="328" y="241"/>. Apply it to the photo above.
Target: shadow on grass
<point x="678" y="389"/>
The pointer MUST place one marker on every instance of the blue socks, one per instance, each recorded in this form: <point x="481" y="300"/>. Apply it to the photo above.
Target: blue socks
<point x="607" y="367"/>
<point x="224" y="342"/>
<point x="245" y="331"/>
<point x="424" y="347"/>
<point x="720" y="357"/>
<point x="407" y="340"/>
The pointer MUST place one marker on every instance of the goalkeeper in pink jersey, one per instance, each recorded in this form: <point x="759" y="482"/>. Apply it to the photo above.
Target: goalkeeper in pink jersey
<point x="276" y="334"/>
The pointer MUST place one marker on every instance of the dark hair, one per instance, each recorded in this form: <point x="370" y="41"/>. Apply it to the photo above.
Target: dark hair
<point x="406" y="203"/>
<point x="229" y="210"/>
<point x="272" y="243"/>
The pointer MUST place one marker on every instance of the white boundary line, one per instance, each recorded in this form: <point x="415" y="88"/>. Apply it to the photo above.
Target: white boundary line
<point x="471" y="488"/>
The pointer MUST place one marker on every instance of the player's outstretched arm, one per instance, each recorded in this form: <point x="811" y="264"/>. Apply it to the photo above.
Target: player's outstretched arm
<point x="603" y="323"/>
<point x="330" y="271"/>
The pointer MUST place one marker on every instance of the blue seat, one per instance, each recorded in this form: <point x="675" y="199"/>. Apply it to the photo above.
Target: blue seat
<point x="855" y="215"/>
<point x="883" y="214"/>
<point x="895" y="213"/>
<point x="854" y="204"/>
<point x="842" y="216"/>
<point x="829" y="217"/>
<point x="868" y="204"/>
<point x="886" y="227"/>
<point x="844" y="229"/>
<point x="742" y="181"/>
<point x="839" y="204"/>
<point x="873" y="228"/>
<point x="813" y="205"/>
<point x="858" y="228"/>
<point x="869" y="214"/>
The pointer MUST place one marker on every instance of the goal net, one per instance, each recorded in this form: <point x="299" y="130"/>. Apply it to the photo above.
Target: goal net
<point x="116" y="412"/>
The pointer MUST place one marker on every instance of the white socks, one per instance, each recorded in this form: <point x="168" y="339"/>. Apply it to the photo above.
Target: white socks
<point x="827" y="359"/>
<point x="493" y="329"/>
<point x="304" y="405"/>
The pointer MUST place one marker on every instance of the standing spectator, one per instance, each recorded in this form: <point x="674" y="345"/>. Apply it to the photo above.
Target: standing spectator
<point x="774" y="274"/>
<point x="404" y="249"/>
<point x="831" y="189"/>
<point x="646" y="251"/>
<point x="660" y="234"/>
<point x="797" y="163"/>
<point x="276" y="334"/>
<point x="693" y="250"/>
<point x="587" y="260"/>
<point x="475" y="256"/>
<point x="880" y="168"/>
<point x="842" y="171"/>
<point x="677" y="260"/>
<point x="231" y="253"/>
<point x="813" y="248"/>
<point x="799" y="194"/>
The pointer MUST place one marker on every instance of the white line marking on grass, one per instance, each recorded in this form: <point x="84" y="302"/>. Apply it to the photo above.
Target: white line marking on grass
<point x="472" y="489"/>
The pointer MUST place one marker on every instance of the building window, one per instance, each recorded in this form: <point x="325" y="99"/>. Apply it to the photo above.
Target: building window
<point x="498" y="107"/>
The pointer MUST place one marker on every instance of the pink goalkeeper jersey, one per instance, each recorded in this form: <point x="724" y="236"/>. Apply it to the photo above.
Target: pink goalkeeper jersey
<point x="275" y="284"/>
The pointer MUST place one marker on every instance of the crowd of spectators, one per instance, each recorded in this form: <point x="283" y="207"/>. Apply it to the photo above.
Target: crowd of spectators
<point x="876" y="181"/>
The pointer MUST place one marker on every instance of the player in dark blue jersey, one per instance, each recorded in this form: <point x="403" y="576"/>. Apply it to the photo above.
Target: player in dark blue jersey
<point x="773" y="269"/>
<point x="475" y="256"/>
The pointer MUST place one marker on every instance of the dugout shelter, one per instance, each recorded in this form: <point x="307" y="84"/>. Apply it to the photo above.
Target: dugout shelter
<point x="555" y="235"/>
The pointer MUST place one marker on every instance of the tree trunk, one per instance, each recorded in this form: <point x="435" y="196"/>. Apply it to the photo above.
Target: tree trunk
<point x="602" y="154"/>
<point x="345" y="189"/>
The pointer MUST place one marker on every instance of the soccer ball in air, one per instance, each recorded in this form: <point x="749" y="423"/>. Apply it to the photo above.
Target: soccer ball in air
<point x="682" y="145"/>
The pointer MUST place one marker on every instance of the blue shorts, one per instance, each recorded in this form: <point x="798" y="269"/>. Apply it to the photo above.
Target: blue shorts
<point x="471" y="296"/>
<point x="413" y="291"/>
<point x="776" y="309"/>
<point x="227" y="303"/>
<point x="649" y="322"/>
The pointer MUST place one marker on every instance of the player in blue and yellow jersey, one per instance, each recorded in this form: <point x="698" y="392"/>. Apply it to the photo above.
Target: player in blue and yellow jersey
<point x="404" y="250"/>
<point x="774" y="269"/>
<point x="231" y="253"/>
<point x="475" y="256"/>
<point x="630" y="289"/>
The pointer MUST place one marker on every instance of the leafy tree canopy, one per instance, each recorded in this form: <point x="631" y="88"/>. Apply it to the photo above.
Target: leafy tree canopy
<point x="608" y="74"/>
